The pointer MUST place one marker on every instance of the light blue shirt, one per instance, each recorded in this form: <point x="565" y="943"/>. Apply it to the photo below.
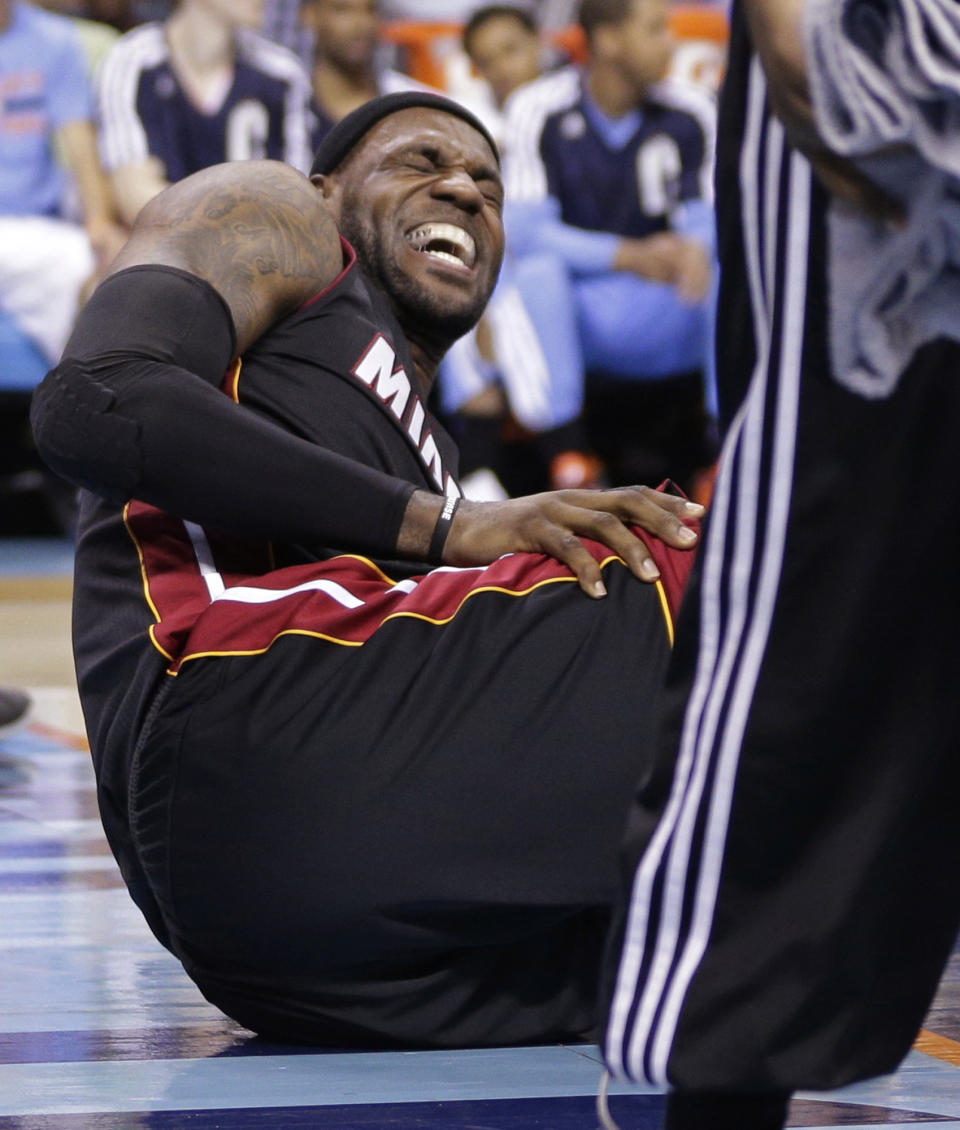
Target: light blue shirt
<point x="43" y="86"/>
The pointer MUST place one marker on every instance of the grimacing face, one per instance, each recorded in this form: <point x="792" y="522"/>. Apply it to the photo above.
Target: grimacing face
<point x="420" y="199"/>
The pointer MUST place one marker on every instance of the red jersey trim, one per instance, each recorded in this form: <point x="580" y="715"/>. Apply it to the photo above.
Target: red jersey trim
<point x="217" y="597"/>
<point x="175" y="669"/>
<point x="349" y="259"/>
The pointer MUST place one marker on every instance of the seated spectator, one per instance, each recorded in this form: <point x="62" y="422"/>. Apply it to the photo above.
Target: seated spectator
<point x="510" y="367"/>
<point x="46" y="101"/>
<point x="505" y="48"/>
<point x="610" y="220"/>
<point x="200" y="88"/>
<point x="348" y="68"/>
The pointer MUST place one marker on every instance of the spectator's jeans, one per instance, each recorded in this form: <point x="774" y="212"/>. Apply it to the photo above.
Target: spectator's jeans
<point x="44" y="264"/>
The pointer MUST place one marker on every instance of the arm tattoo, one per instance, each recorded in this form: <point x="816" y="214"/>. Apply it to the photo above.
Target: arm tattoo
<point x="256" y="230"/>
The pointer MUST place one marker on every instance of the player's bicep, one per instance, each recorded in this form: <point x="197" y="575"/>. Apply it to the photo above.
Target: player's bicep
<point x="257" y="231"/>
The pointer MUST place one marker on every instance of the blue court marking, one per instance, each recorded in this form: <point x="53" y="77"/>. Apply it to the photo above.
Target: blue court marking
<point x="36" y="556"/>
<point x="23" y="743"/>
<point x="336" y="1079"/>
<point x="920" y="1083"/>
<point x="42" y="865"/>
<point x="80" y="881"/>
<point x="350" y="1079"/>
<point x="637" y="1113"/>
<point x="643" y="1112"/>
<point x="53" y="849"/>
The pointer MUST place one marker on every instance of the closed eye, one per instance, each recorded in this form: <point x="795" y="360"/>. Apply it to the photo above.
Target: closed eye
<point x="494" y="195"/>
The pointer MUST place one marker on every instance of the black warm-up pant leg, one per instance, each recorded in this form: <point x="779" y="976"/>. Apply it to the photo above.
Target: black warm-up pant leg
<point x="791" y="857"/>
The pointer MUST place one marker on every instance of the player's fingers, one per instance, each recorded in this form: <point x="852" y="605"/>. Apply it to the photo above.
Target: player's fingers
<point x="661" y="514"/>
<point x="606" y="528"/>
<point x="565" y="546"/>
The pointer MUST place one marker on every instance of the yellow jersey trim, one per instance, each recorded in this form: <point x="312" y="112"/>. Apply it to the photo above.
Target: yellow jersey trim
<point x="143" y="565"/>
<point x="234" y="380"/>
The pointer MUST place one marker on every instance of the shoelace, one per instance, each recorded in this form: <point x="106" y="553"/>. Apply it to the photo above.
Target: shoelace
<point x="603" y="1103"/>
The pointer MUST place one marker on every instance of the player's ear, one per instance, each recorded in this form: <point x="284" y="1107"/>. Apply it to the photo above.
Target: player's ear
<point x="331" y="189"/>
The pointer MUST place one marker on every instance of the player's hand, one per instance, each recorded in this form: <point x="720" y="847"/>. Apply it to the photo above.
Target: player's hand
<point x="554" y="522"/>
<point x="776" y="27"/>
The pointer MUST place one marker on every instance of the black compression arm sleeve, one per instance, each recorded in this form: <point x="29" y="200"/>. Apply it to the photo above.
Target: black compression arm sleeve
<point x="133" y="410"/>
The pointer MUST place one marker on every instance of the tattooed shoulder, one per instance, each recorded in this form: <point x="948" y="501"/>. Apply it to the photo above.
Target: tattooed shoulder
<point x="258" y="231"/>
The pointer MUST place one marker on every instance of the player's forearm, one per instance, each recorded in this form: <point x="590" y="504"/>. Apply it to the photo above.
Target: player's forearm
<point x="134" y="410"/>
<point x="131" y="428"/>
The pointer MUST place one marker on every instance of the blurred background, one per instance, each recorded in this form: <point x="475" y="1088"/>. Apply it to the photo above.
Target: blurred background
<point x="104" y="102"/>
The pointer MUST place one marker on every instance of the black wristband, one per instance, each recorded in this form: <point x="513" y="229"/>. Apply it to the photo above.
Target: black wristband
<point x="442" y="528"/>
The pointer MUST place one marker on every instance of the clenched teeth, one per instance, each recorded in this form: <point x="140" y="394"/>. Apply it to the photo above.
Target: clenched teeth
<point x="444" y="241"/>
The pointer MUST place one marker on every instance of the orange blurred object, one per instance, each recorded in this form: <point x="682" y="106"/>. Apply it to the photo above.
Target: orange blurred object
<point x="426" y="45"/>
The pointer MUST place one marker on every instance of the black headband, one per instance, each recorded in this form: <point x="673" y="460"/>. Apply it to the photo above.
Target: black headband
<point x="349" y="130"/>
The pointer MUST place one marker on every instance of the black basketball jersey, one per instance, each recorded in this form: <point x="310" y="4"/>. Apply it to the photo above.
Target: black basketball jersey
<point x="338" y="373"/>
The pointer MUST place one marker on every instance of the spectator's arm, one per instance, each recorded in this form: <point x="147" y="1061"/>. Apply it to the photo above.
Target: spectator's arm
<point x="668" y="257"/>
<point x="79" y="144"/>
<point x="692" y="215"/>
<point x="695" y="222"/>
<point x="71" y="115"/>
<point x="696" y="219"/>
<point x="136" y="175"/>
<point x="535" y="227"/>
<point x="532" y="214"/>
<point x="135" y="184"/>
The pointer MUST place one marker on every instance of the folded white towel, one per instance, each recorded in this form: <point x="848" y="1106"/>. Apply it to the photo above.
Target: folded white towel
<point x="885" y="85"/>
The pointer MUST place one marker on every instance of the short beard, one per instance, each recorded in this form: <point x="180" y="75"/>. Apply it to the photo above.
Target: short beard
<point x="417" y="308"/>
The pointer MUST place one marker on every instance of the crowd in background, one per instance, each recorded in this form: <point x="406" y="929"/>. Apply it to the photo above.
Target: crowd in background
<point x="592" y="365"/>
